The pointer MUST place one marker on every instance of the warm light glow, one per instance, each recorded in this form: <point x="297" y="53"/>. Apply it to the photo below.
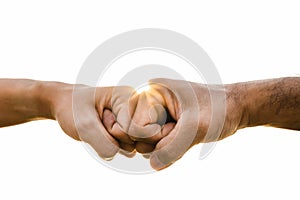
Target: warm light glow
<point x="144" y="88"/>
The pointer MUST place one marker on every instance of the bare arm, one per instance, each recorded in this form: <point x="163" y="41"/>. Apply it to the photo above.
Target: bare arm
<point x="24" y="100"/>
<point x="20" y="102"/>
<point x="274" y="102"/>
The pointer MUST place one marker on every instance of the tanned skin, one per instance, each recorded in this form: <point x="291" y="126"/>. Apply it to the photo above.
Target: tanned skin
<point x="117" y="119"/>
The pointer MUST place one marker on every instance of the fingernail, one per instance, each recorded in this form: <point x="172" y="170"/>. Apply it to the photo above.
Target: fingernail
<point x="156" y="163"/>
<point x="127" y="153"/>
<point x="108" y="159"/>
<point x="146" y="155"/>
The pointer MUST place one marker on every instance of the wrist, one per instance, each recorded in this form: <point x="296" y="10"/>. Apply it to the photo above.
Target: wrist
<point x="237" y="101"/>
<point x="47" y="95"/>
<point x="254" y="100"/>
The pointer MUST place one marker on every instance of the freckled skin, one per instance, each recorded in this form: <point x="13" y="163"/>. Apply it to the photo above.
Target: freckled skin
<point x="159" y="123"/>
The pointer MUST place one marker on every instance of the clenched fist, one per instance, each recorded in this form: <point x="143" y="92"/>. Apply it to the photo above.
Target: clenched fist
<point x="161" y="123"/>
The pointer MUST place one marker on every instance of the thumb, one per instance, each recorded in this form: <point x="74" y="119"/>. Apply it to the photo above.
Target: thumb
<point x="182" y="104"/>
<point x="175" y="144"/>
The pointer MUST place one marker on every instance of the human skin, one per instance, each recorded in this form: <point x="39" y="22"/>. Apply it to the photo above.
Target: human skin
<point x="274" y="102"/>
<point x="111" y="118"/>
<point x="77" y="108"/>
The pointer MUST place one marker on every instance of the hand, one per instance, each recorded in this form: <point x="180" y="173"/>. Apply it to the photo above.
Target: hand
<point x="198" y="113"/>
<point x="167" y="120"/>
<point x="80" y="111"/>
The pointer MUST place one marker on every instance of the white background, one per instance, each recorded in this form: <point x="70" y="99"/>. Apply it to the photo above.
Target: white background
<point x="247" y="40"/>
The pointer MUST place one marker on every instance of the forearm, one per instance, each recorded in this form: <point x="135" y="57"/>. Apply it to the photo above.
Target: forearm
<point x="20" y="101"/>
<point x="274" y="102"/>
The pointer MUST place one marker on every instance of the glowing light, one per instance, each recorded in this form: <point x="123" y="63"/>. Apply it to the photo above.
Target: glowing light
<point x="144" y="88"/>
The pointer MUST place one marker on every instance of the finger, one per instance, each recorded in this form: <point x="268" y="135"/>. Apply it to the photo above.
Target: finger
<point x="121" y="101"/>
<point x="148" y="117"/>
<point x="182" y="104"/>
<point x="166" y="140"/>
<point x="146" y="155"/>
<point x="87" y="121"/>
<point x="127" y="154"/>
<point x="127" y="150"/>
<point x="174" y="145"/>
<point x="150" y="133"/>
<point x="119" y="134"/>
<point x="108" y="119"/>
<point x="143" y="147"/>
<point x="123" y="104"/>
<point x="167" y="128"/>
<point x="165" y="88"/>
<point x="162" y="132"/>
<point x="92" y="131"/>
<point x="113" y="128"/>
<point x="153" y="111"/>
